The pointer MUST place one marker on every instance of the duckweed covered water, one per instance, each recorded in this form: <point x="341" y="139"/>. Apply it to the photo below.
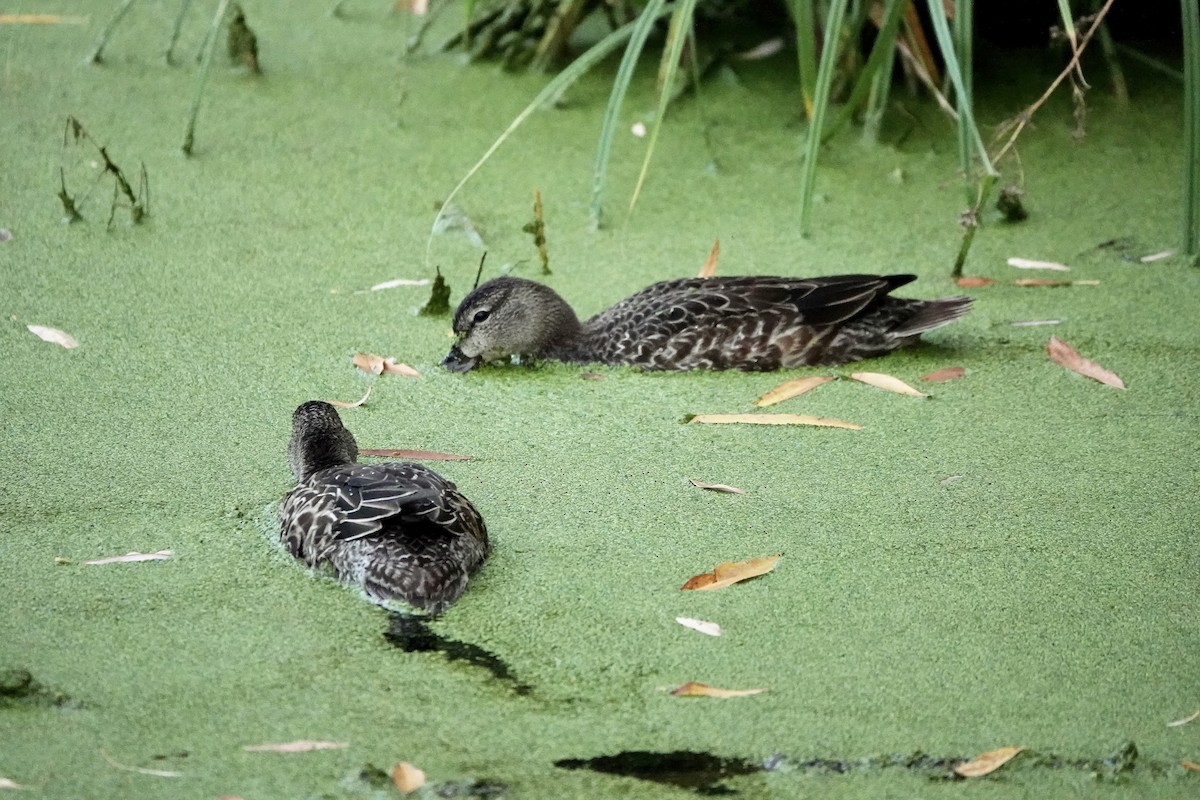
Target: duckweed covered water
<point x="1046" y="597"/>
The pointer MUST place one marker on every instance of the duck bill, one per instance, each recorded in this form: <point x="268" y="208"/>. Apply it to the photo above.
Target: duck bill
<point x="458" y="361"/>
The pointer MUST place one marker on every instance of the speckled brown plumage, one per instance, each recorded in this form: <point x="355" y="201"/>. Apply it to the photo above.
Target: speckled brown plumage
<point x="746" y="323"/>
<point x="398" y="530"/>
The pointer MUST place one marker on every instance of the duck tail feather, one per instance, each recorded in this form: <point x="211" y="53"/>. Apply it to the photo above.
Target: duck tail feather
<point x="934" y="314"/>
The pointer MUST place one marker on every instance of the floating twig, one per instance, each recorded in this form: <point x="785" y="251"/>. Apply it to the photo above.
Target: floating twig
<point x="210" y="45"/>
<point x="538" y="229"/>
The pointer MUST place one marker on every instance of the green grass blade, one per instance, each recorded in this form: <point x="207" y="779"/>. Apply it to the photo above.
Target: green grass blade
<point x="964" y="33"/>
<point x="878" y="62"/>
<point x="210" y="45"/>
<point x="966" y="115"/>
<point x="681" y="23"/>
<point x="1191" y="127"/>
<point x="594" y="55"/>
<point x="808" y="174"/>
<point x="608" y="129"/>
<point x="805" y="20"/>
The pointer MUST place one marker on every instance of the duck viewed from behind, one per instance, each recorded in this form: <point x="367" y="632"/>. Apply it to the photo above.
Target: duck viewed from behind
<point x="398" y="530"/>
<point x="748" y="323"/>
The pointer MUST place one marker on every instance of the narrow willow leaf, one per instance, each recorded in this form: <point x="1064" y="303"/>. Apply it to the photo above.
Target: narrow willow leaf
<point x="298" y="746"/>
<point x="696" y="689"/>
<point x="716" y="487"/>
<point x="792" y="388"/>
<point x="987" y="763"/>
<point x="773" y="419"/>
<point x="729" y="573"/>
<point x="1028" y="263"/>
<point x="703" y="626"/>
<point x="54" y="336"/>
<point x="130" y="558"/>
<point x="882" y="381"/>
<point x="355" y="404"/>
<point x="1062" y="353"/>
<point x="710" y="264"/>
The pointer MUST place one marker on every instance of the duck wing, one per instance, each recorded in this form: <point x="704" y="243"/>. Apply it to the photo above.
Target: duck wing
<point x="670" y="307"/>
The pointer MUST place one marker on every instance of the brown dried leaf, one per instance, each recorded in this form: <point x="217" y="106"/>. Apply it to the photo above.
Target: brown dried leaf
<point x="881" y="381"/>
<point x="355" y="404"/>
<point x="298" y="746"/>
<point x="987" y="762"/>
<point x="730" y="572"/>
<point x="793" y="388"/>
<point x="710" y="264"/>
<point x="54" y="336"/>
<point x="694" y="689"/>
<point x="1190" y="766"/>
<point x="943" y="375"/>
<point x="392" y="368"/>
<point x="592" y="376"/>
<point x="773" y="419"/>
<point x="1179" y="723"/>
<point x="414" y="455"/>
<point x="407" y="777"/>
<point x="716" y="487"/>
<point x="1028" y="263"/>
<point x="161" y="555"/>
<point x="972" y="282"/>
<point x="1062" y="353"/>
<point x="369" y="363"/>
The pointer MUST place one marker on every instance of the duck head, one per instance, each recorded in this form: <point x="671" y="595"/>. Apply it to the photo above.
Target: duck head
<point x="509" y="316"/>
<point x="319" y="440"/>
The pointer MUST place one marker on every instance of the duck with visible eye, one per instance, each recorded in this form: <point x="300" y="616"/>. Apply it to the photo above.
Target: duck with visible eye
<point x="745" y="323"/>
<point x="398" y="530"/>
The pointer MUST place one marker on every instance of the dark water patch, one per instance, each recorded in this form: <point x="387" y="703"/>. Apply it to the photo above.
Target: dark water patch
<point x="700" y="772"/>
<point x="471" y="788"/>
<point x="413" y="635"/>
<point x="18" y="688"/>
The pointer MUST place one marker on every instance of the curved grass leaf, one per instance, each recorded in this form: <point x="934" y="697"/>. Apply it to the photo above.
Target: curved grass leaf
<point x="808" y="174"/>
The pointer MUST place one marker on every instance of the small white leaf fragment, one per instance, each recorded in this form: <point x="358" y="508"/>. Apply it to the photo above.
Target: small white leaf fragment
<point x="1179" y="723"/>
<point x="5" y="235"/>
<point x="161" y="555"/>
<point x="949" y="479"/>
<point x="298" y="746"/>
<point x="392" y="284"/>
<point x="355" y="404"/>
<point x="407" y="778"/>
<point x="710" y="628"/>
<point x="1156" y="256"/>
<point x="638" y="129"/>
<point x="765" y="49"/>
<point x="881" y="381"/>
<point x="773" y="419"/>
<point x="1028" y="263"/>
<point x="54" y="336"/>
<point x="1033" y="323"/>
<point x="716" y="487"/>
<point x="8" y="783"/>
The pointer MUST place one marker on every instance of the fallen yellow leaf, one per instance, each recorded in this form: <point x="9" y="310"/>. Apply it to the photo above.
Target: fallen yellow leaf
<point x="695" y="689"/>
<point x="161" y="555"/>
<point x="407" y="777"/>
<point x="1062" y="353"/>
<point x="355" y="404"/>
<point x="943" y="375"/>
<point x="792" y="388"/>
<point x="729" y="573"/>
<point x="881" y="381"/>
<point x="1191" y="766"/>
<point x="987" y="762"/>
<point x="1181" y="722"/>
<point x="298" y="746"/>
<point x="773" y="419"/>
<point x="716" y="487"/>
<point x="710" y="264"/>
<point x="41" y="19"/>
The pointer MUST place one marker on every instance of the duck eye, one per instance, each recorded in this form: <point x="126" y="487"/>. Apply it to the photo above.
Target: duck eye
<point x="481" y="315"/>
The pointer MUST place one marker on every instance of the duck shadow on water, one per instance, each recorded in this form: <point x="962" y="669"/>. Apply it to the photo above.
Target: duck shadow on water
<point x="413" y="634"/>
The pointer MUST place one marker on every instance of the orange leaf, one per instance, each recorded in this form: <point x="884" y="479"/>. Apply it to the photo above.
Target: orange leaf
<point x="407" y="777"/>
<point x="694" y="689"/>
<point x="729" y="573"/>
<point x="773" y="419"/>
<point x="792" y="388"/>
<point x="1062" y="353"/>
<point x="943" y="375"/>
<point x="414" y="455"/>
<point x="716" y="487"/>
<point x="887" y="382"/>
<point x="355" y="404"/>
<point x="987" y="762"/>
<point x="299" y="746"/>
<point x="710" y="264"/>
<point x="970" y="282"/>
